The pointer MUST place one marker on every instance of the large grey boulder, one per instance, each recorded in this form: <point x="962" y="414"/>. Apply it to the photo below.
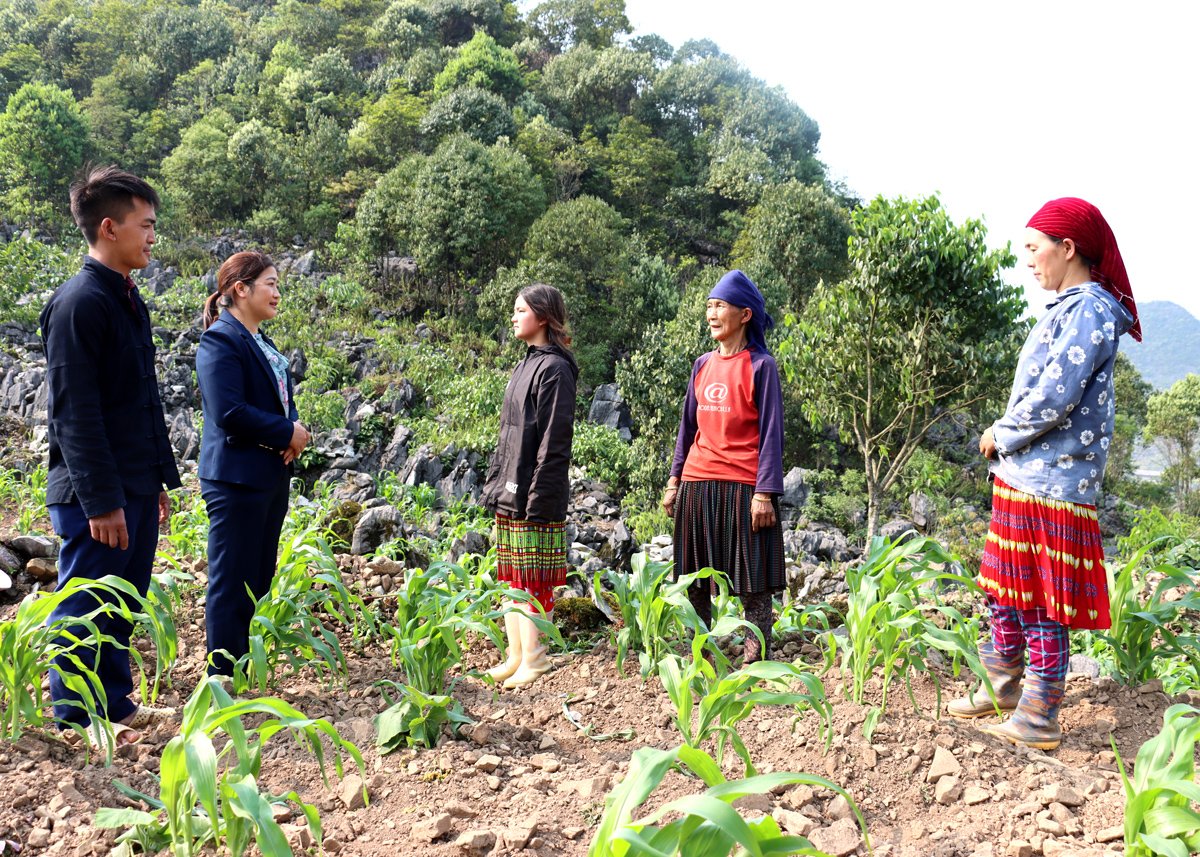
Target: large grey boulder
<point x="376" y="526"/>
<point x="609" y="409"/>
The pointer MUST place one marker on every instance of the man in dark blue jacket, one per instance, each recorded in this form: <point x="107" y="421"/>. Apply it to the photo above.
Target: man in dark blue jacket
<point x="110" y="457"/>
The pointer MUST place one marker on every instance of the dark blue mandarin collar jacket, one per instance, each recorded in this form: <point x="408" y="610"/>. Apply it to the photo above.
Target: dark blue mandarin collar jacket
<point x="108" y="436"/>
<point x="245" y="427"/>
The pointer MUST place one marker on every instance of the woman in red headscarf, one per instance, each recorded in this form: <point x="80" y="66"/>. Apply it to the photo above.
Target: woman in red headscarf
<point x="1043" y="565"/>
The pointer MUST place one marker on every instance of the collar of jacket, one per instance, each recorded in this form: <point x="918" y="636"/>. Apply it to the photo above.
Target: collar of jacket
<point x="241" y="329"/>
<point x="551" y="348"/>
<point x="106" y="275"/>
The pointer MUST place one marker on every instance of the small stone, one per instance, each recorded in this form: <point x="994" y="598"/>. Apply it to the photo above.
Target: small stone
<point x="493" y="783"/>
<point x="1059" y="793"/>
<point x="280" y="812"/>
<point x="42" y="570"/>
<point x="458" y="809"/>
<point x="351" y="792"/>
<point x="793" y="822"/>
<point x="545" y="762"/>
<point x="1097" y="786"/>
<point x="755" y="803"/>
<point x="573" y="833"/>
<point x="1019" y="848"/>
<point x="331" y="846"/>
<point x="488" y="763"/>
<point x="1111" y="834"/>
<point x="974" y="794"/>
<point x="591" y="787"/>
<point x="517" y="837"/>
<point x="947" y="790"/>
<point x="547" y="743"/>
<point x="481" y="733"/>
<point x="984" y="849"/>
<point x="1027" y="808"/>
<point x="1155" y="685"/>
<point x="944" y="764"/>
<point x="839" y="808"/>
<point x="476" y="842"/>
<point x="39" y="837"/>
<point x="298" y="835"/>
<point x="1047" y="824"/>
<point x="839" y="839"/>
<point x="431" y="828"/>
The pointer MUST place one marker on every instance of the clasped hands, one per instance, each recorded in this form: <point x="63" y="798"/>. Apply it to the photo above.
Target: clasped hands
<point x="300" y="439"/>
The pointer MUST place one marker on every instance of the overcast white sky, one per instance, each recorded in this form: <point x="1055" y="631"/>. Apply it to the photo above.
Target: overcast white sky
<point x="996" y="106"/>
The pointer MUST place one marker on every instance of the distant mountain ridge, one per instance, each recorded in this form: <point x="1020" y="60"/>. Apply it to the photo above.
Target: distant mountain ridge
<point x="1171" y="347"/>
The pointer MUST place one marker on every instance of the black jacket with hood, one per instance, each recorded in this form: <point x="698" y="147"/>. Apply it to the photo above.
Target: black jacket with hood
<point x="528" y="476"/>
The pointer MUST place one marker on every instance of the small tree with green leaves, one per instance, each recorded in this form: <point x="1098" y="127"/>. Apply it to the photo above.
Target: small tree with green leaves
<point x="922" y="328"/>
<point x="1173" y="424"/>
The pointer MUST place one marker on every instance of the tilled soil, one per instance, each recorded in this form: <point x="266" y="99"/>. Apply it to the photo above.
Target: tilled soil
<point x="526" y="780"/>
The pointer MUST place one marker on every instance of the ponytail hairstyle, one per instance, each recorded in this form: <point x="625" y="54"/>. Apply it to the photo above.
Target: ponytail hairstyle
<point x="244" y="267"/>
<point x="548" y="305"/>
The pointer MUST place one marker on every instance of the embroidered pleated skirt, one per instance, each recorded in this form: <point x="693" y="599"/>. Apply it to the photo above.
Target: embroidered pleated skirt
<point x="1046" y="553"/>
<point x="532" y="556"/>
<point x="713" y="530"/>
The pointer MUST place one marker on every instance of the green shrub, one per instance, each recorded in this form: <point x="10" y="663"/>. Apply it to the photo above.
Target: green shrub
<point x="29" y="268"/>
<point x="838" y="499"/>
<point x="603" y="455"/>
<point x="321" y="411"/>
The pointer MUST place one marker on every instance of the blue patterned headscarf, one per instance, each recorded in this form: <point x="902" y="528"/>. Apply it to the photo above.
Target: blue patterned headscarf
<point x="739" y="290"/>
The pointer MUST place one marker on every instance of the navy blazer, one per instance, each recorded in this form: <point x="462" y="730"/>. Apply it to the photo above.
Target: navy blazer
<point x="245" y="427"/>
<point x="108" y="438"/>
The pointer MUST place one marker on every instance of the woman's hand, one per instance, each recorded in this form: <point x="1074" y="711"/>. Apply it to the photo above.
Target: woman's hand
<point x="300" y="438"/>
<point x="668" y="500"/>
<point x="987" y="444"/>
<point x="762" y="513"/>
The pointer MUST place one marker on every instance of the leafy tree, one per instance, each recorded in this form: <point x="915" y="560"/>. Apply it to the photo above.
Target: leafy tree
<point x="176" y="38"/>
<point x="1130" y="395"/>
<point x="19" y="65"/>
<point x="593" y="87"/>
<point x="197" y="173"/>
<point x="1173" y="425"/>
<point x="484" y="64"/>
<point x="555" y="156"/>
<point x="921" y="329"/>
<point x="481" y="115"/>
<point x="462" y="212"/>
<point x="640" y="169"/>
<point x="562" y="24"/>
<point x="612" y="288"/>
<point x="457" y="20"/>
<point x="43" y="141"/>
<point x="793" y="239"/>
<point x="403" y="28"/>
<point x="387" y="128"/>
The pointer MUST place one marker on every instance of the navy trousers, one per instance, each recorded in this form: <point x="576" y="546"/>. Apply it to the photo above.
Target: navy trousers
<point x="83" y="557"/>
<point x="243" y="544"/>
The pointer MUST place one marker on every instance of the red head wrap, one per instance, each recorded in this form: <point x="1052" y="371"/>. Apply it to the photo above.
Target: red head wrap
<point x="1083" y="223"/>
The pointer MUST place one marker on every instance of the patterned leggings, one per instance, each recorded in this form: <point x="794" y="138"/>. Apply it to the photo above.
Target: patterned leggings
<point x="1049" y="648"/>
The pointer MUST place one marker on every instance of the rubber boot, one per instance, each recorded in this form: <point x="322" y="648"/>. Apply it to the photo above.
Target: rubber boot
<point x="1004" y="672"/>
<point x="1035" y="722"/>
<point x="512" y="661"/>
<point x="534" y="662"/>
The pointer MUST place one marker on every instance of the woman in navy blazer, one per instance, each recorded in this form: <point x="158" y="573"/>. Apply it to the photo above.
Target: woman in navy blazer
<point x="252" y="434"/>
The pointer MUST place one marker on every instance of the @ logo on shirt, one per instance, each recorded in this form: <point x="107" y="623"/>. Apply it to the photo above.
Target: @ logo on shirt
<point x="716" y="393"/>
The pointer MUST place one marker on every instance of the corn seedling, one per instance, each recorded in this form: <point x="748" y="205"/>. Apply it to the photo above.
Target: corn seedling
<point x="210" y="797"/>
<point x="1142" y="632"/>
<point x="1161" y="816"/>
<point x="655" y="612"/>
<point x="435" y="611"/>
<point x="892" y="626"/>
<point x="29" y="647"/>
<point x="705" y="823"/>
<point x="710" y="706"/>
<point x="287" y="622"/>
<point x="187" y="528"/>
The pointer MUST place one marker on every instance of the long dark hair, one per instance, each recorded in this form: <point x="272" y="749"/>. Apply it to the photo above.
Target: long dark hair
<point x="244" y="267"/>
<point x="546" y="302"/>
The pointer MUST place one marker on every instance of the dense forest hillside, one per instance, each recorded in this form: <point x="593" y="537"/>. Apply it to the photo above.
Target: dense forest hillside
<point x="415" y="162"/>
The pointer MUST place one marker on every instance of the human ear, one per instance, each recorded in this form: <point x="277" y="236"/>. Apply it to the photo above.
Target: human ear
<point x="1069" y="249"/>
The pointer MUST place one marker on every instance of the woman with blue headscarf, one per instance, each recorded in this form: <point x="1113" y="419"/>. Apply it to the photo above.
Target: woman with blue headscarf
<point x="728" y="469"/>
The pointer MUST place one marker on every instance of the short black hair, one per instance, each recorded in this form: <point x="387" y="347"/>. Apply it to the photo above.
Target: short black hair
<point x="106" y="192"/>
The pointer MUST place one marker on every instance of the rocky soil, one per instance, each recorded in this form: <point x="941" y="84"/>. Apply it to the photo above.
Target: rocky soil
<point x="531" y="776"/>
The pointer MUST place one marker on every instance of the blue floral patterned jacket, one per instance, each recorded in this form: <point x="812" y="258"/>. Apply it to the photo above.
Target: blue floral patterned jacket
<point x="1053" y="438"/>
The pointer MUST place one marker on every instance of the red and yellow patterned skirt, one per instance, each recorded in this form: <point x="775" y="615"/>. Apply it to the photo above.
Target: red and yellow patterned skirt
<point x="1046" y="553"/>
<point x="532" y="556"/>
